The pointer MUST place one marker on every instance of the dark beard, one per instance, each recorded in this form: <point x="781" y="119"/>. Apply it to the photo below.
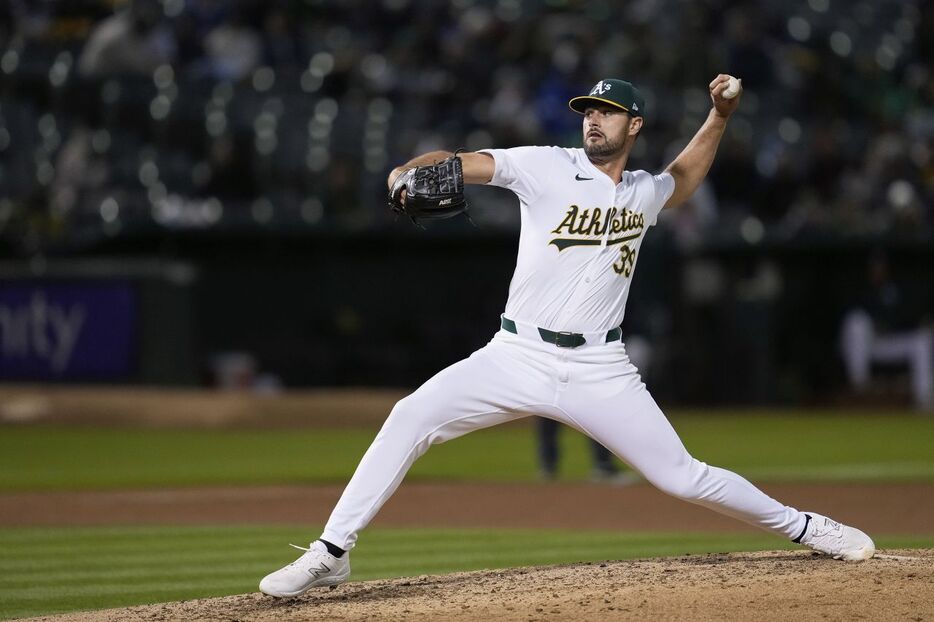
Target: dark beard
<point x="607" y="150"/>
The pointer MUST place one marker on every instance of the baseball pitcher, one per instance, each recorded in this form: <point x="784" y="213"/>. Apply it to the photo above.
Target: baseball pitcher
<point x="558" y="353"/>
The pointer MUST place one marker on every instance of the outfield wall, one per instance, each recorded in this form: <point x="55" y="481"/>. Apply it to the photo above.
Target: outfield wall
<point x="729" y="324"/>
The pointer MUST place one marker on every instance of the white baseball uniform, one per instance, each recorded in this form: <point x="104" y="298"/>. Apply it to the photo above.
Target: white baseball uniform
<point x="578" y="247"/>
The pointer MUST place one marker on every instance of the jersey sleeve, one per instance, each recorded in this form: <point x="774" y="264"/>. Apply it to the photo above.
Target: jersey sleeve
<point x="521" y="169"/>
<point x="663" y="186"/>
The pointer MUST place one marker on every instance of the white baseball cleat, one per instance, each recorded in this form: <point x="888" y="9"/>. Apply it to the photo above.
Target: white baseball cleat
<point x="836" y="539"/>
<point x="315" y="568"/>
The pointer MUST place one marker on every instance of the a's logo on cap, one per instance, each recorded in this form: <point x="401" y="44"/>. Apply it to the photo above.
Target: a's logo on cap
<point x="600" y="88"/>
<point x="635" y="106"/>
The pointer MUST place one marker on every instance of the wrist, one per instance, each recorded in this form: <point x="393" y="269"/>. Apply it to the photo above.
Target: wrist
<point x="718" y="117"/>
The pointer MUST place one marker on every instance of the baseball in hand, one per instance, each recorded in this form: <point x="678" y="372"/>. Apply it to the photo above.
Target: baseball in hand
<point x="732" y="88"/>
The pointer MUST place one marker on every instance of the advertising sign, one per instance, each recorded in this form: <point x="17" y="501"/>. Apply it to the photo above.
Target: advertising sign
<point x="72" y="330"/>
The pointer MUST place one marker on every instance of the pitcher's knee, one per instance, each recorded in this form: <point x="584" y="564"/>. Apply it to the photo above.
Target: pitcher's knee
<point x="684" y="482"/>
<point x="402" y="408"/>
<point x="418" y="419"/>
<point x="680" y="488"/>
<point x="406" y="417"/>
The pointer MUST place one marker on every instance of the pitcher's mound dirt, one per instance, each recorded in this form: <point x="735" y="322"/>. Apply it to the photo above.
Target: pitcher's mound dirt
<point x="799" y="585"/>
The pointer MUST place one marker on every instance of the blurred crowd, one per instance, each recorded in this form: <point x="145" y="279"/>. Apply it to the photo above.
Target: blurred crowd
<point x="121" y="117"/>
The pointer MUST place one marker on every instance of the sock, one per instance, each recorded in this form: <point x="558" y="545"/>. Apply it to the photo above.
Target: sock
<point x="336" y="551"/>
<point x="807" y="521"/>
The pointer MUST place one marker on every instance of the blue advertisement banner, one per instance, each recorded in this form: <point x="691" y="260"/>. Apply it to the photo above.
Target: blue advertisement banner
<point x="67" y="331"/>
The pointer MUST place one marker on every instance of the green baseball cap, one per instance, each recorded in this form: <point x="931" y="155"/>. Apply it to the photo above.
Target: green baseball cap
<point x="619" y="93"/>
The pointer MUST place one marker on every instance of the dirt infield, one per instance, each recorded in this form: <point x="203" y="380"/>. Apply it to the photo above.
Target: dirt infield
<point x="798" y="585"/>
<point x="894" y="508"/>
<point x="897" y="585"/>
<point x="195" y="408"/>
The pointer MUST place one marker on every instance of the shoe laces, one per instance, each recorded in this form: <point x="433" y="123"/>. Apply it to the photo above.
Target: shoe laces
<point x="827" y="535"/>
<point x="827" y="528"/>
<point x="310" y="553"/>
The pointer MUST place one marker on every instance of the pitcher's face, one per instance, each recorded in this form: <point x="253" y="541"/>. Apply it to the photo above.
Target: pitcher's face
<point x="606" y="130"/>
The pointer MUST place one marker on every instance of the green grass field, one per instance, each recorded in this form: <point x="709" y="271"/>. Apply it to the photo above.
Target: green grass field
<point x="55" y="570"/>
<point x="884" y="447"/>
<point x="46" y="571"/>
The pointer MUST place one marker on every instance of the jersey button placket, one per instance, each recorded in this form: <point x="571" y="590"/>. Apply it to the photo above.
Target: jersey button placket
<point x="595" y="265"/>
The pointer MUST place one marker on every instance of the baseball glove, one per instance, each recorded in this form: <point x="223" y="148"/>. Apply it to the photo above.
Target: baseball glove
<point x="431" y="192"/>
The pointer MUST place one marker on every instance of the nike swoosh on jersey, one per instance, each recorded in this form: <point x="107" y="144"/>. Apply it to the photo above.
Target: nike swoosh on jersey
<point x="579" y="178"/>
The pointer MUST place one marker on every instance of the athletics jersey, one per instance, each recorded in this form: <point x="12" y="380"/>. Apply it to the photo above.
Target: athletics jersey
<point x="580" y="236"/>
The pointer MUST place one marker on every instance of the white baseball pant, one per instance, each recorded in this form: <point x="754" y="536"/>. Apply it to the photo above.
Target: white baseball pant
<point x="593" y="388"/>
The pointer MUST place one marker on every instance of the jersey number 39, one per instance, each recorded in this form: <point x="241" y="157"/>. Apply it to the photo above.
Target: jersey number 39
<point x="627" y="259"/>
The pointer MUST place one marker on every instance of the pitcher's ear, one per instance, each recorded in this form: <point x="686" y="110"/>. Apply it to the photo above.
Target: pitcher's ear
<point x="635" y="125"/>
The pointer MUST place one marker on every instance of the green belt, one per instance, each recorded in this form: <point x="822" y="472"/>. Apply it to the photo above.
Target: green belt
<point x="562" y="339"/>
